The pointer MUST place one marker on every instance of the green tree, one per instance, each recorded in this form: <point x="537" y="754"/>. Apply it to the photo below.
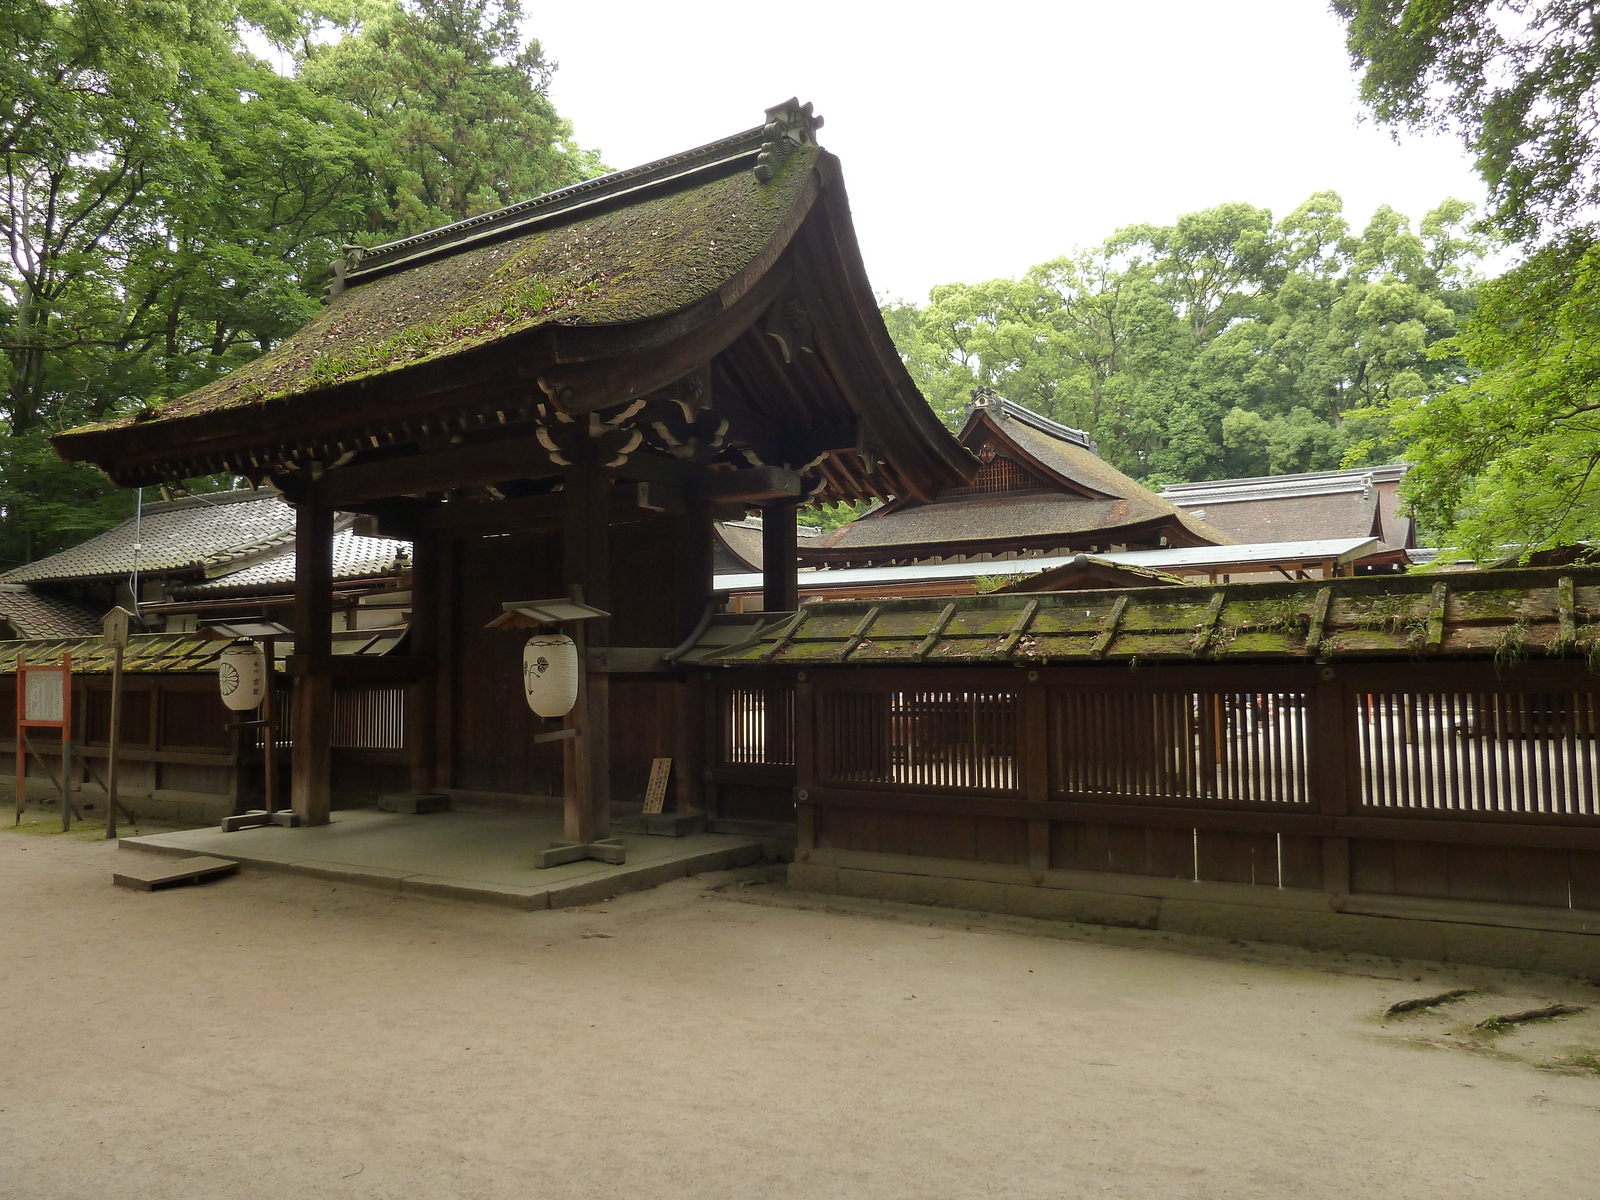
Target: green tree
<point x="170" y="202"/>
<point x="1224" y="344"/>
<point x="1514" y="79"/>
<point x="456" y="104"/>
<point x="1506" y="456"/>
<point x="1510" y="455"/>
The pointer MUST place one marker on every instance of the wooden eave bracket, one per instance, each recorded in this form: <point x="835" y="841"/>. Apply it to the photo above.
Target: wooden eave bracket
<point x="1108" y="631"/>
<point x="940" y="623"/>
<point x="1319" y="621"/>
<point x="785" y="632"/>
<point x="859" y="633"/>
<point x="1019" y="627"/>
<point x="1567" y="607"/>
<point x="1436" y="613"/>
<point x="1208" y="624"/>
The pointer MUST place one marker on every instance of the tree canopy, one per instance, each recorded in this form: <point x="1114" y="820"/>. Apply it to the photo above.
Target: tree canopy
<point x="1225" y="344"/>
<point x="171" y="201"/>
<point x="1508" y="456"/>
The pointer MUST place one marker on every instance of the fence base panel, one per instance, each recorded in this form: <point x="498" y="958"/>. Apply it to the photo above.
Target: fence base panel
<point x="1561" y="941"/>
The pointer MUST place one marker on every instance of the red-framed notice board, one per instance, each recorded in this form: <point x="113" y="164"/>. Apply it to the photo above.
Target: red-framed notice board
<point x="44" y="701"/>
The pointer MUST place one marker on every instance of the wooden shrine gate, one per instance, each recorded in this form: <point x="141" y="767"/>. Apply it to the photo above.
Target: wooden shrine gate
<point x="1442" y="781"/>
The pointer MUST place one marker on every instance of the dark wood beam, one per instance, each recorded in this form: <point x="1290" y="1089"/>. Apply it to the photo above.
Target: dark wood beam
<point x="534" y="514"/>
<point x="493" y="461"/>
<point x="754" y="484"/>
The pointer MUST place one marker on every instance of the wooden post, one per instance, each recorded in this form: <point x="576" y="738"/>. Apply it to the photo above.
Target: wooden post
<point x="111" y="742"/>
<point x="688" y="739"/>
<point x="1034" y="768"/>
<point x="1332" y="774"/>
<point x="22" y="747"/>
<point x="269" y="729"/>
<point x="420" y="728"/>
<point x="805" y="765"/>
<point x="66" y="745"/>
<point x="780" y="582"/>
<point x="578" y="810"/>
<point x="312" y="718"/>
<point x="586" y="558"/>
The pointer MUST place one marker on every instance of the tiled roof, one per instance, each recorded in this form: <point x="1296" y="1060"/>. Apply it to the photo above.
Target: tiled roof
<point x="354" y="557"/>
<point x="1085" y="467"/>
<point x="33" y="615"/>
<point x="741" y="541"/>
<point x="1314" y="504"/>
<point x="175" y="535"/>
<point x="973" y="518"/>
<point x="1115" y="501"/>
<point x="1259" y="487"/>
<point x="1297" y="518"/>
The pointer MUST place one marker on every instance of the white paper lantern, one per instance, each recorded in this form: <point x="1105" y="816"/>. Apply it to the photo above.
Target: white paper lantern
<point x="242" y="676"/>
<point x="550" y="674"/>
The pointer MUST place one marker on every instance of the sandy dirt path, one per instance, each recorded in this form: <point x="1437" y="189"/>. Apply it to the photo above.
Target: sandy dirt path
<point x="275" y="1037"/>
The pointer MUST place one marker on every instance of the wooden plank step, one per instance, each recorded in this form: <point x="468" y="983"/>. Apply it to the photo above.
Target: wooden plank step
<point x="159" y="873"/>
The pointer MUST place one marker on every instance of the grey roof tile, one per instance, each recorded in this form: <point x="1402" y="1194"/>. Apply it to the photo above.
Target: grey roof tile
<point x="189" y="534"/>
<point x="33" y="615"/>
<point x="354" y="557"/>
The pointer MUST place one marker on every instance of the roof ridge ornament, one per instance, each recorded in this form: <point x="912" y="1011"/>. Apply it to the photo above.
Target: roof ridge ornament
<point x="789" y="124"/>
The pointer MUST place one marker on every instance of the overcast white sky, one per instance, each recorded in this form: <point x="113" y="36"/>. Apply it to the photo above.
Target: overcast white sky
<point x="978" y="139"/>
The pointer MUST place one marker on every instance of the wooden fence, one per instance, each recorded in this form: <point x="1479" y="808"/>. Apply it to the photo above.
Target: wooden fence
<point x="175" y="744"/>
<point x="1442" y="780"/>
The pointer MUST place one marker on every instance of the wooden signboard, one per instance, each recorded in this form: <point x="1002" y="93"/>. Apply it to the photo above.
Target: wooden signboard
<point x="656" y="794"/>
<point x="44" y="700"/>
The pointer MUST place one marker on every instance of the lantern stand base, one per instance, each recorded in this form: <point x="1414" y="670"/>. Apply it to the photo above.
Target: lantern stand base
<point x="256" y="818"/>
<point x="558" y="854"/>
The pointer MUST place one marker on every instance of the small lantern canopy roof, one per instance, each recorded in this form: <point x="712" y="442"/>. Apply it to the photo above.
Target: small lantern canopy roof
<point x="529" y="614"/>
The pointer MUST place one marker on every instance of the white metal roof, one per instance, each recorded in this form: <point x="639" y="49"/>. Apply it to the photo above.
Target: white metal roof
<point x="1207" y="558"/>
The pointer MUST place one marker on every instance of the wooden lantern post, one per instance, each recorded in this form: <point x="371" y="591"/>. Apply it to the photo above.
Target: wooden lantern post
<point x="114" y="625"/>
<point x="585" y="807"/>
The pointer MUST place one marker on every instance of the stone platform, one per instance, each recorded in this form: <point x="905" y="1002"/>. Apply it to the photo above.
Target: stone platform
<point x="483" y="857"/>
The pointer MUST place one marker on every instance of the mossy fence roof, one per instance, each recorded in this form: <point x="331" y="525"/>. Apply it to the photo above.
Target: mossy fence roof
<point x="1508" y="616"/>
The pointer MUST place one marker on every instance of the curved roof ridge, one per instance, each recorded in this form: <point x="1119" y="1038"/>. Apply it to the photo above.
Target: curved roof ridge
<point x="790" y="120"/>
<point x="988" y="398"/>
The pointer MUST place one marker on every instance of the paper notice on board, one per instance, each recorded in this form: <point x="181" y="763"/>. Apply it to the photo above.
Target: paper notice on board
<point x="44" y="698"/>
<point x="656" y="794"/>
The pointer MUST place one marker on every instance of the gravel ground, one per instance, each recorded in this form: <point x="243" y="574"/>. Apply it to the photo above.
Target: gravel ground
<point x="272" y="1036"/>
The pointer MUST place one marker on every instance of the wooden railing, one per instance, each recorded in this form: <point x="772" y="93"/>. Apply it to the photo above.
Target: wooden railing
<point x="1440" y="780"/>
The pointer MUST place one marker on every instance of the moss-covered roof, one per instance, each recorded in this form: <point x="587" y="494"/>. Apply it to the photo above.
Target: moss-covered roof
<point x="175" y="653"/>
<point x="648" y="258"/>
<point x="1507" y="616"/>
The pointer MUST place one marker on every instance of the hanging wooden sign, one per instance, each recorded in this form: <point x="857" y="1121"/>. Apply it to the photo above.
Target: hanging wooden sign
<point x="655" y="795"/>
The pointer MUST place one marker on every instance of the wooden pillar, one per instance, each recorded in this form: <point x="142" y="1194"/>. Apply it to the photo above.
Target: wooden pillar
<point x="694" y="541"/>
<point x="1033" y="762"/>
<point x="310" y="789"/>
<point x="1332" y="761"/>
<point x="586" y="560"/>
<point x="805" y="765"/>
<point x="420" y="720"/>
<point x="780" y="583"/>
